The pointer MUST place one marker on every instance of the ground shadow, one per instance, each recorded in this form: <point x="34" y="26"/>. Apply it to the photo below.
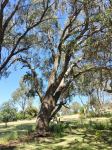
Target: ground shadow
<point x="7" y="147"/>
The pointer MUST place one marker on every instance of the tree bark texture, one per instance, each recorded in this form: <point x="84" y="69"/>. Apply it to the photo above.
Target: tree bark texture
<point x="44" y="116"/>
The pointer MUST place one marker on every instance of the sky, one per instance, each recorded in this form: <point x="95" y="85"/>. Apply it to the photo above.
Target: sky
<point x="8" y="85"/>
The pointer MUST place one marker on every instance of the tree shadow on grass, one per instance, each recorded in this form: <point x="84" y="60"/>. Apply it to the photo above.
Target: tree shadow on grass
<point x="7" y="147"/>
<point x="19" y="132"/>
<point x="102" y="136"/>
<point x="75" y="145"/>
<point x="80" y="140"/>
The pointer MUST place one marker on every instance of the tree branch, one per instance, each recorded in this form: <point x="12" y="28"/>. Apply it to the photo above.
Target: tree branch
<point x="72" y="18"/>
<point x="11" y="15"/>
<point x="57" y="110"/>
<point x="91" y="69"/>
<point x="22" y="36"/>
<point x="4" y="3"/>
<point x="34" y="75"/>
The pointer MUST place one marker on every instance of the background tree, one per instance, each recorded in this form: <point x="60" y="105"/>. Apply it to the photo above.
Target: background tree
<point x="95" y="105"/>
<point x="21" y="98"/>
<point x="75" y="107"/>
<point x="8" y="113"/>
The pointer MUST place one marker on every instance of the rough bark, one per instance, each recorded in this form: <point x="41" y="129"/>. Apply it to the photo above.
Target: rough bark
<point x="49" y="103"/>
<point x="44" y="116"/>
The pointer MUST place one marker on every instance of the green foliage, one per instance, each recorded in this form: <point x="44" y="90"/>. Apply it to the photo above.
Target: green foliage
<point x="106" y="114"/>
<point x="99" y="126"/>
<point x="94" y="125"/>
<point x="20" y="116"/>
<point x="32" y="111"/>
<point x="13" y="28"/>
<point x="63" y="49"/>
<point x="92" y="114"/>
<point x="101" y="114"/>
<point x="8" y="113"/>
<point x="82" y="110"/>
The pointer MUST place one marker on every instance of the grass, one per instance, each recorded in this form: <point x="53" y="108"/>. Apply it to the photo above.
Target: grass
<point x="15" y="130"/>
<point x="78" y="134"/>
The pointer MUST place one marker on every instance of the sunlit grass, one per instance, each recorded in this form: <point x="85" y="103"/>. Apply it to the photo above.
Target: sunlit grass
<point x="15" y="131"/>
<point x="75" y="134"/>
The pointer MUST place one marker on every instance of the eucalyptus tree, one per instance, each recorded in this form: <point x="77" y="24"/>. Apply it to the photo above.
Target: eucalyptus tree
<point x="18" y="20"/>
<point x="70" y="44"/>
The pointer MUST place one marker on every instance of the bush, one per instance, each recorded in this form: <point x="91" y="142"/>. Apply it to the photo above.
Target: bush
<point x="58" y="129"/>
<point x="99" y="126"/>
<point x="20" y="116"/>
<point x="8" y="113"/>
<point x="31" y="111"/>
<point x="29" y="117"/>
<point x="107" y="114"/>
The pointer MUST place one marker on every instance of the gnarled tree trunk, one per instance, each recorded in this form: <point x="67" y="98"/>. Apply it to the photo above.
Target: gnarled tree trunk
<point x="44" y="117"/>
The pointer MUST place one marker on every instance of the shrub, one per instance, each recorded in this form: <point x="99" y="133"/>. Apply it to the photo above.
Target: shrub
<point x="32" y="111"/>
<point x="20" y="116"/>
<point x="58" y="129"/>
<point x="100" y="126"/>
<point x="8" y="113"/>
<point x="29" y="117"/>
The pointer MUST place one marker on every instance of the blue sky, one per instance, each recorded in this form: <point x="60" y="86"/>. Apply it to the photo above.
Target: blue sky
<point x="8" y="85"/>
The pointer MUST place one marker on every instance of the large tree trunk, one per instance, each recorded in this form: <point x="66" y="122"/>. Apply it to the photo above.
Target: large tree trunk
<point x="44" y="117"/>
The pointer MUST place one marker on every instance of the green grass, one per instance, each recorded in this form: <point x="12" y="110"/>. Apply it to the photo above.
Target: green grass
<point x="15" y="132"/>
<point x="70" y="135"/>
